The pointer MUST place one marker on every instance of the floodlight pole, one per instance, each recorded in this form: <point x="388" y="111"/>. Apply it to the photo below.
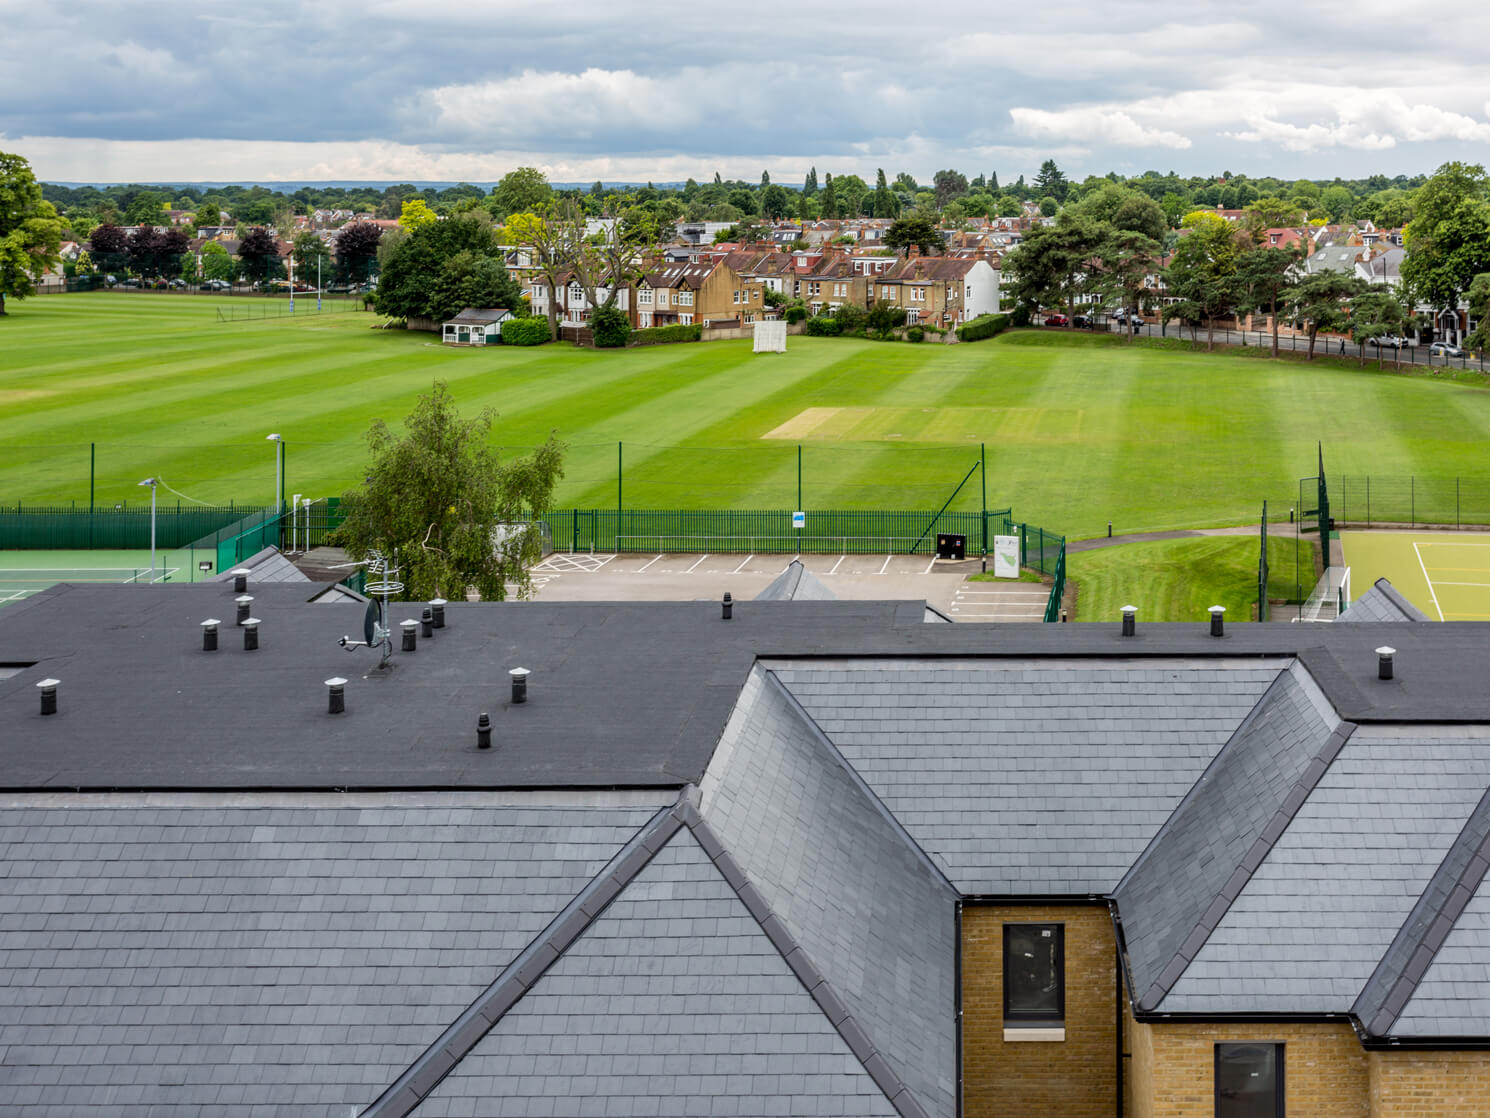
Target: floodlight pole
<point x="292" y="283"/>
<point x="318" y="283"/>
<point x="279" y="473"/>
<point x="150" y="481"/>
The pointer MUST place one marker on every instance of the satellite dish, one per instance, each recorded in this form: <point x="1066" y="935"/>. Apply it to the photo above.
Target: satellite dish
<point x="371" y="620"/>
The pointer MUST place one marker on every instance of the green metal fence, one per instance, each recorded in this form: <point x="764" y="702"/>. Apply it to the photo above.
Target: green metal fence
<point x="73" y="528"/>
<point x="1057" y="587"/>
<point x="1262" y="568"/>
<point x="1411" y="499"/>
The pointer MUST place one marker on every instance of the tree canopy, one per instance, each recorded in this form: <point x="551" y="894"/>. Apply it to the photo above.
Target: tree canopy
<point x="458" y="517"/>
<point x="441" y="268"/>
<point x="1448" y="239"/>
<point x="915" y="230"/>
<point x="520" y="189"/>
<point x="259" y="255"/>
<point x="30" y="231"/>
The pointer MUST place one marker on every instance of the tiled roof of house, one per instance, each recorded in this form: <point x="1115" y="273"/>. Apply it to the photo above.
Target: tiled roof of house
<point x="1383" y="602"/>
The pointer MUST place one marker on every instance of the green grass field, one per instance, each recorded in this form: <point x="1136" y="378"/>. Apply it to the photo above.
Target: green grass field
<point x="1078" y="430"/>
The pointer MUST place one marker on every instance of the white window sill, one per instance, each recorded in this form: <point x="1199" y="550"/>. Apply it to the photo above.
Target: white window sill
<point x="1027" y="1034"/>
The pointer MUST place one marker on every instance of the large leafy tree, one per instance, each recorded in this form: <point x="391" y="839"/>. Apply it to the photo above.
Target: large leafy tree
<point x="148" y="207"/>
<point x="357" y="250"/>
<point x="1128" y="259"/>
<point x="258" y="254"/>
<point x="1377" y="313"/>
<point x="521" y="189"/>
<point x="1202" y="274"/>
<point x="30" y="230"/>
<point x="440" y="268"/>
<point x="1448" y="238"/>
<point x="415" y="214"/>
<point x="1320" y="302"/>
<point x="1055" y="263"/>
<point x="217" y="264"/>
<point x="1051" y="181"/>
<point x="109" y="245"/>
<point x="886" y="203"/>
<point x="1265" y="276"/>
<point x="917" y="229"/>
<point x="551" y="237"/>
<point x="947" y="185"/>
<point x="459" y="518"/>
<point x="309" y="250"/>
<point x="1479" y="309"/>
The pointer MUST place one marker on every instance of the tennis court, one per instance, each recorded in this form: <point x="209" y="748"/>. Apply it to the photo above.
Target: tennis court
<point x="23" y="573"/>
<point x="1444" y="574"/>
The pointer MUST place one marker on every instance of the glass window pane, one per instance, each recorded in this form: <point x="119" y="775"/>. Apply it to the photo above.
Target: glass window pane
<point x="1032" y="971"/>
<point x="1247" y="1081"/>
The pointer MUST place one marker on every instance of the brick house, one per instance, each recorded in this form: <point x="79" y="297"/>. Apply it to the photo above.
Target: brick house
<point x="940" y="291"/>
<point x="824" y="858"/>
<point x="709" y="292"/>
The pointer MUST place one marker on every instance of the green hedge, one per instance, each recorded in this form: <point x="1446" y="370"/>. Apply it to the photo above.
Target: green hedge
<point x="795" y="314"/>
<point x="525" y="331"/>
<point x="610" y="327"/>
<point x="824" y="327"/>
<point x="984" y="326"/>
<point x="915" y="334"/>
<point x="660" y="335"/>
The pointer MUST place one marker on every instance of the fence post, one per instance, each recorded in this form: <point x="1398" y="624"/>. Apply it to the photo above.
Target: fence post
<point x="799" y="475"/>
<point x="92" y="463"/>
<point x="983" y="482"/>
<point x="1412" y="495"/>
<point x="618" y="480"/>
<point x="1368" y="500"/>
<point x="1023" y="545"/>
<point x="1456" y="502"/>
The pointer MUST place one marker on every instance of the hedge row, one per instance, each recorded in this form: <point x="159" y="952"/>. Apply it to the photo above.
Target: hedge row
<point x="984" y="326"/>
<point x="525" y="331"/>
<point x="822" y="326"/>
<point x="659" y="335"/>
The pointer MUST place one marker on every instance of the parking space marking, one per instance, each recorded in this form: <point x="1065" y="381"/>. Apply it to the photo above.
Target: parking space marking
<point x="887" y="564"/>
<point x="838" y="564"/>
<point x="743" y="565"/>
<point x="647" y="564"/>
<point x="700" y="559"/>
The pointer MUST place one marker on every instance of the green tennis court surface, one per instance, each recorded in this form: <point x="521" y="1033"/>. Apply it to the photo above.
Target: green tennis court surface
<point x="23" y="573"/>
<point x="1444" y="574"/>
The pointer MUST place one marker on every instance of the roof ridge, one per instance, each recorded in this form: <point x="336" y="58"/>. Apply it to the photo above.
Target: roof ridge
<point x="834" y="1008"/>
<point x="1407" y="959"/>
<point x="431" y="1066"/>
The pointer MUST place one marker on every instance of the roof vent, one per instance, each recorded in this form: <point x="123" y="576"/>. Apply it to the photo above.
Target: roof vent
<point x="483" y="731"/>
<point x="244" y="601"/>
<point x="727" y="606"/>
<point x="240" y="580"/>
<point x="437" y="607"/>
<point x="519" y="684"/>
<point x="209" y="634"/>
<point x="250" y="634"/>
<point x="427" y="622"/>
<point x="1130" y="621"/>
<point x="1384" y="662"/>
<point x="336" y="695"/>
<point x="49" y="695"/>
<point x="409" y="635"/>
<point x="1218" y="618"/>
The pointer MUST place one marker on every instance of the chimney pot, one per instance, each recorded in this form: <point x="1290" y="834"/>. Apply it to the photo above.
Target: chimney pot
<point x="209" y="634"/>
<point x="519" y="684"/>
<point x="336" y="695"/>
<point x="250" y="634"/>
<point x="1130" y="621"/>
<point x="48" y="688"/>
<point x="1218" y="616"/>
<point x="437" y="607"/>
<point x="244" y="601"/>
<point x="483" y="731"/>
<point x="427" y="623"/>
<point x="409" y="635"/>
<point x="240" y="580"/>
<point x="1384" y="662"/>
<point x="728" y="606"/>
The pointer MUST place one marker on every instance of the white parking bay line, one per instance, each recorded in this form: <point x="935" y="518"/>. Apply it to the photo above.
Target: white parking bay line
<point x="838" y="564"/>
<point x="930" y="566"/>
<point x="743" y="565"/>
<point x="647" y="564"/>
<point x="701" y="558"/>
<point x="887" y="564"/>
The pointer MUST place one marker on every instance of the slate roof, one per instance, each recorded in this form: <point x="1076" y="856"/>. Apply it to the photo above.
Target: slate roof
<point x="868" y="909"/>
<point x="796" y="583"/>
<point x="1028" y="776"/>
<point x="1382" y="602"/>
<point x="265" y="955"/>
<point x="267" y="565"/>
<point x="673" y="1002"/>
<point x="1190" y="874"/>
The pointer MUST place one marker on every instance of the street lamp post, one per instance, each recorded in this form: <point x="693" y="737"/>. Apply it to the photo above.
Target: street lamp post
<point x="151" y="482"/>
<point x="279" y="475"/>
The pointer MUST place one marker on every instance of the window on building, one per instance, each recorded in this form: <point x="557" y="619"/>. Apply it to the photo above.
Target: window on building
<point x="1249" y="1081"/>
<point x="685" y="298"/>
<point x="644" y="296"/>
<point x="1034" y="975"/>
<point x="662" y="298"/>
<point x="737" y="296"/>
<point x="685" y="319"/>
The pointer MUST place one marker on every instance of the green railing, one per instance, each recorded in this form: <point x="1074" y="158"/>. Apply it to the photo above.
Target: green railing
<point x="118" y="528"/>
<point x="1057" y="587"/>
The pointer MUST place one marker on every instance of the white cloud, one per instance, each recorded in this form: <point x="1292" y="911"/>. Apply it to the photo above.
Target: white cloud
<point x="1094" y="125"/>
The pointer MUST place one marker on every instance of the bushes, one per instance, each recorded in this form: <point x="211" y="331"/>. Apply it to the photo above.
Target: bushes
<point x="915" y="334"/>
<point x="658" y="335"/>
<point x="850" y="318"/>
<point x="795" y="313"/>
<point x="525" y="331"/>
<point x="984" y="326"/>
<point x="824" y="327"/>
<point x="610" y="327"/>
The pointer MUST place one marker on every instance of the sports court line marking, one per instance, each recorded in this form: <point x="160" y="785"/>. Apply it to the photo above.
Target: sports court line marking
<point x="647" y="564"/>
<point x="838" y="564"/>
<point x="1423" y="566"/>
<point x="1452" y="543"/>
<point x="1443" y="582"/>
<point x="887" y="563"/>
<point x="741" y="567"/>
<point x="700" y="559"/>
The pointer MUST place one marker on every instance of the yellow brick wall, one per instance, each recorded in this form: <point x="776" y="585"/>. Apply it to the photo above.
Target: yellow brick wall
<point x="1074" y="1078"/>
<point x="1407" y="1084"/>
<point x="1325" y="1071"/>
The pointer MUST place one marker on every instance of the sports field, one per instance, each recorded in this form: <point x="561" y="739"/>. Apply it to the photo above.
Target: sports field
<point x="23" y="573"/>
<point x="1079" y="431"/>
<point x="1444" y="574"/>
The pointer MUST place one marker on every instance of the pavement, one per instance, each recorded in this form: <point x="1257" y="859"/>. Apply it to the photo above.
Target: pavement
<point x="941" y="583"/>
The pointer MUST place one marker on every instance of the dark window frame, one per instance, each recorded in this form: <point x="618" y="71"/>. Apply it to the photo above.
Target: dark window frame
<point x="1278" y="1071"/>
<point x="1023" y="1018"/>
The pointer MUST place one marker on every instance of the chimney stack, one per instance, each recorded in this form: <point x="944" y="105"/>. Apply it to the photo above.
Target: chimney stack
<point x="1130" y="621"/>
<point x="409" y="636"/>
<point x="336" y="695"/>
<point x="49" y="695"/>
<point x="437" y="607"/>
<point x="1218" y="616"/>
<point x="240" y="580"/>
<point x="244" y="601"/>
<point x="250" y="634"/>
<point x="483" y="731"/>
<point x="209" y="634"/>
<point x="1384" y="662"/>
<point x="519" y="684"/>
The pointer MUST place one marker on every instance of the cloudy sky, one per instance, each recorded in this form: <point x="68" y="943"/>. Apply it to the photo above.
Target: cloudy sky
<point x="586" y="89"/>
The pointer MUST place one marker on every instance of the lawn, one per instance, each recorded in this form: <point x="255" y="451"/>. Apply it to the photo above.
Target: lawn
<point x="1078" y="431"/>
<point x="1179" y="580"/>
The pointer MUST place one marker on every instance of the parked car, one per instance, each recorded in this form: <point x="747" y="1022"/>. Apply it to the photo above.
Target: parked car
<point x="1081" y="322"/>
<point x="216" y="285"/>
<point x="133" y="281"/>
<point x="1057" y="320"/>
<point x="1390" y="341"/>
<point x="178" y="283"/>
<point x="1445" y="349"/>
